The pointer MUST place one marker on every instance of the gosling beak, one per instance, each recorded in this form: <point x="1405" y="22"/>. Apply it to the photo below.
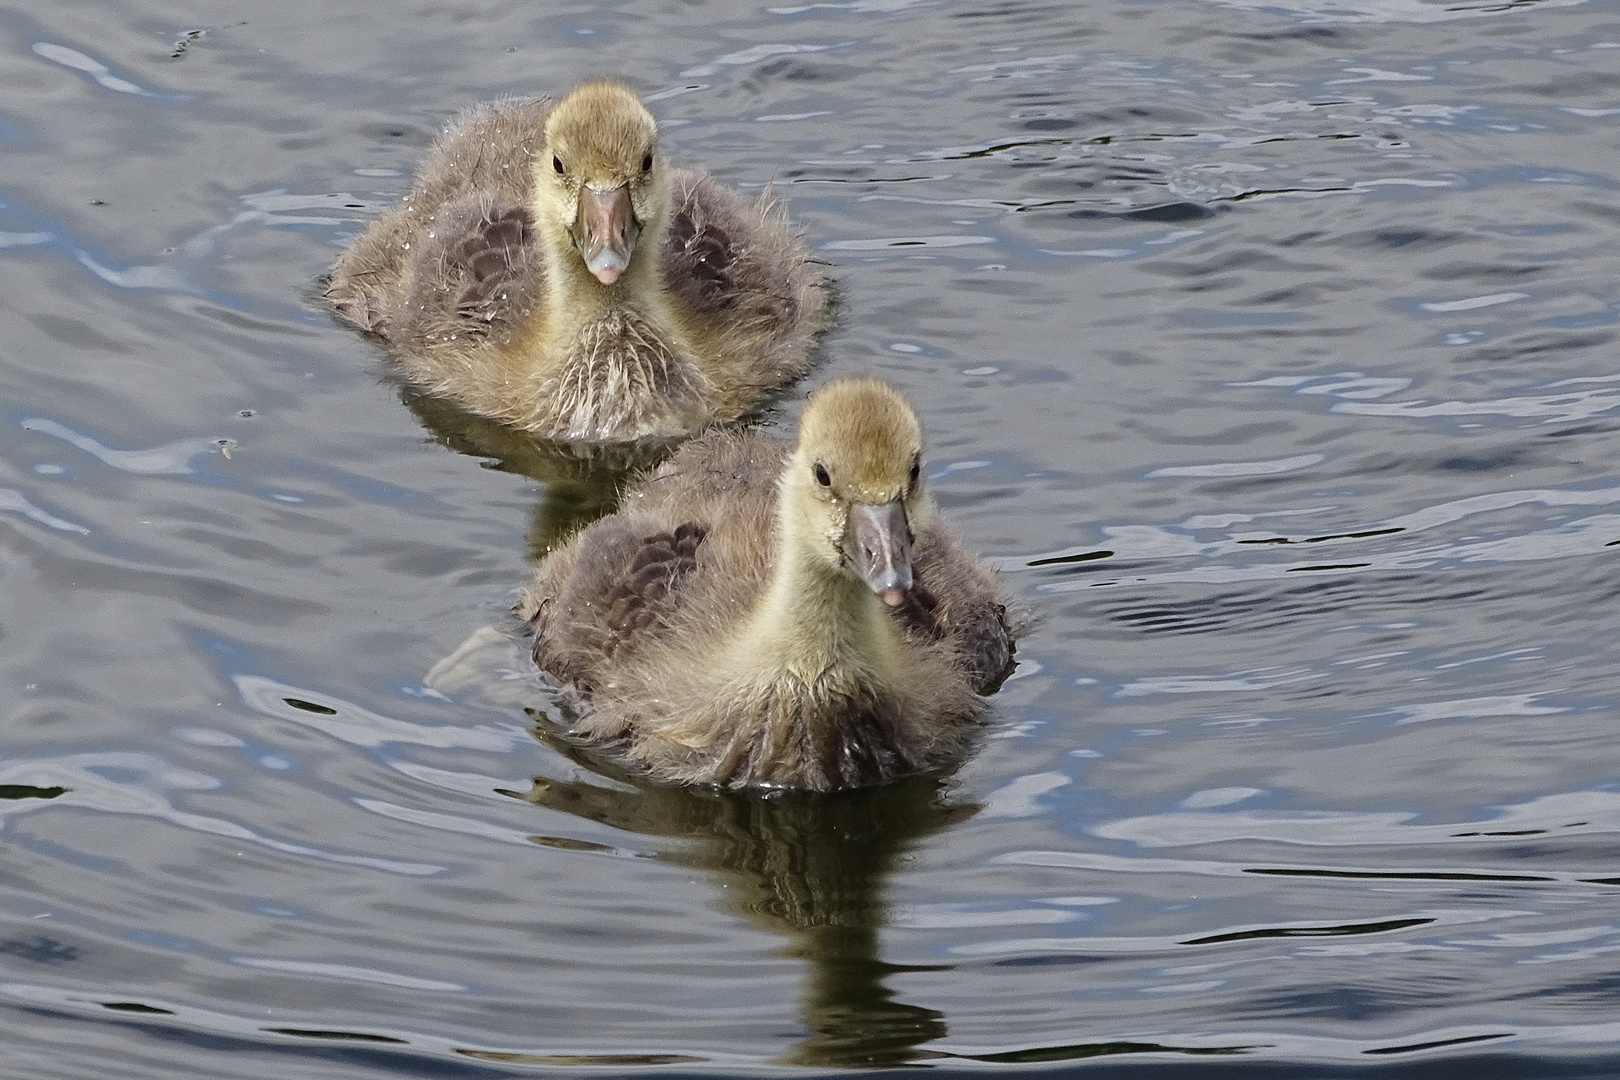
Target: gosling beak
<point x="880" y="548"/>
<point x="606" y="231"/>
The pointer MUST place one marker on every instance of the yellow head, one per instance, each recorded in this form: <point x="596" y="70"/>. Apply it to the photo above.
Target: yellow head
<point x="854" y="488"/>
<point x="600" y="176"/>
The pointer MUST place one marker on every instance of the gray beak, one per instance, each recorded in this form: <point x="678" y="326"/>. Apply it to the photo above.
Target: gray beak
<point x="878" y="545"/>
<point x="606" y="231"/>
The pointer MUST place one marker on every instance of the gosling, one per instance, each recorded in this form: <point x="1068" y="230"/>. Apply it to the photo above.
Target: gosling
<point x="760" y="615"/>
<point x="549" y="269"/>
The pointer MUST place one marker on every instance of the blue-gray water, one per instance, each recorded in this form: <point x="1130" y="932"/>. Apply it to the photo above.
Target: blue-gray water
<point x="1270" y="349"/>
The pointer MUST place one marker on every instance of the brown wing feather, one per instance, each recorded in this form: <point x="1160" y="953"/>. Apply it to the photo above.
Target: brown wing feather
<point x="699" y="252"/>
<point x="626" y="584"/>
<point x="706" y="503"/>
<point x="986" y="645"/>
<point x="638" y="598"/>
<point x="733" y="266"/>
<point x="954" y="598"/>
<point x="490" y="263"/>
<point x="405" y="277"/>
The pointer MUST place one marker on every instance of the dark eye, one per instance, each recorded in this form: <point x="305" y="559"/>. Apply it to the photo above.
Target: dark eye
<point x="821" y="475"/>
<point x="916" y="471"/>
<point x="556" y="164"/>
<point x="646" y="164"/>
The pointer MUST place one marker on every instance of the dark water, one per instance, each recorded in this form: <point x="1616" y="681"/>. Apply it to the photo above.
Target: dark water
<point x="1270" y="350"/>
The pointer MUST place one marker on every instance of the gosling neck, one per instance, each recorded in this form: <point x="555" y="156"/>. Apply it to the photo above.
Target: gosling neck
<point x="574" y="295"/>
<point x="815" y="623"/>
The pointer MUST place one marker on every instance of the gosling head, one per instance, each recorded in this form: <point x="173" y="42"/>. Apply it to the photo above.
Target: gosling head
<point x="855" y="483"/>
<point x="600" y="176"/>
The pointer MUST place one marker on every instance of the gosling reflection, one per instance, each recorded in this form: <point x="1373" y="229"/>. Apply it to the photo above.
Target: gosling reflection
<point x="582" y="483"/>
<point x="812" y="868"/>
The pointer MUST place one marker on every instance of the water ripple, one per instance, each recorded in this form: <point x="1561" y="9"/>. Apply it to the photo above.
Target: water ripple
<point x="98" y="72"/>
<point x="1574" y="813"/>
<point x="362" y="727"/>
<point x="172" y="458"/>
<point x="347" y="972"/>
<point x="15" y="502"/>
<point x="85" y="787"/>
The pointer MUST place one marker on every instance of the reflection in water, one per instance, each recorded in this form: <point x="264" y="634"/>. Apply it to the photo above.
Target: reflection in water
<point x="811" y="868"/>
<point x="582" y="483"/>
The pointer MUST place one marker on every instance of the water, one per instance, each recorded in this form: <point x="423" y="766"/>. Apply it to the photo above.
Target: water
<point x="1268" y="349"/>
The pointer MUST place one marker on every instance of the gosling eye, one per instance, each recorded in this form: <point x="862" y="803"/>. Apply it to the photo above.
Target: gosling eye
<point x="916" y="471"/>
<point x="556" y="164"/>
<point x="646" y="163"/>
<point x="821" y="475"/>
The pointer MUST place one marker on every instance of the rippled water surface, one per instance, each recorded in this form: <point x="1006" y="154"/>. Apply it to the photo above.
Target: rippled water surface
<point x="1269" y="349"/>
